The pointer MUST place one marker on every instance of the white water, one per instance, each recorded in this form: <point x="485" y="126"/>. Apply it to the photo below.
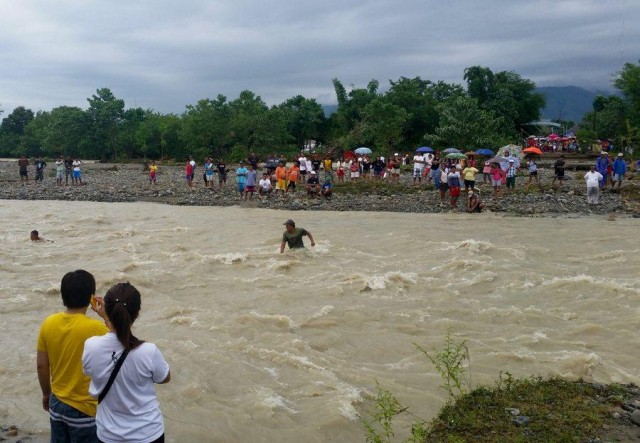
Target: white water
<point x="270" y="347"/>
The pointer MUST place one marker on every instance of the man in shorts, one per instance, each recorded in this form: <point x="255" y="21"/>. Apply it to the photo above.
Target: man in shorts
<point x="292" y="176"/>
<point x="68" y="170"/>
<point x="40" y="165"/>
<point x="293" y="236"/>
<point x="23" y="162"/>
<point x="250" y="185"/>
<point x="65" y="388"/>
<point x="313" y="185"/>
<point x="619" y="170"/>
<point x="59" y="170"/>
<point x="281" y="178"/>
<point x="418" y="167"/>
<point x="395" y="167"/>
<point x="241" y="179"/>
<point x="302" y="160"/>
<point x="558" y="169"/>
<point x="264" y="186"/>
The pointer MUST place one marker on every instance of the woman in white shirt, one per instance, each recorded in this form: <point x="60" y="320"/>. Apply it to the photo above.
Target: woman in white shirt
<point x="129" y="410"/>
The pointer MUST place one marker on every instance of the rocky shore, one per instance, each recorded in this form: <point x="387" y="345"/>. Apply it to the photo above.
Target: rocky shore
<point x="129" y="183"/>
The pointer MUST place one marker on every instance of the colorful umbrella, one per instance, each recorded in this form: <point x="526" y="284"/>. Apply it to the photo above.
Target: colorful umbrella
<point x="470" y="153"/>
<point x="424" y="149"/>
<point x="349" y="155"/>
<point x="553" y="137"/>
<point x="484" y="152"/>
<point x="456" y="155"/>
<point x="452" y="151"/>
<point x="363" y="151"/>
<point x="532" y="150"/>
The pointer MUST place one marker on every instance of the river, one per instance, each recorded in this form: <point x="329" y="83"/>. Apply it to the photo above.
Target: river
<point x="283" y="347"/>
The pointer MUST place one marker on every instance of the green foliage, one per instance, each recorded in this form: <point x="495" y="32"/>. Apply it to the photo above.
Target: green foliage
<point x="628" y="83"/>
<point x="451" y="363"/>
<point x="396" y="119"/>
<point x="464" y="125"/>
<point x="558" y="410"/>
<point x="382" y="125"/>
<point x="379" y="426"/>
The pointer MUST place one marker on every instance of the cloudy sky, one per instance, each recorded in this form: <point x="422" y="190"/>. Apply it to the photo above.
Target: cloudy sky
<point x="164" y="55"/>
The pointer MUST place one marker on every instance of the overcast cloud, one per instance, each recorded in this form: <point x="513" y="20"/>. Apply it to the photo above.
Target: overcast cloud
<point x="165" y="55"/>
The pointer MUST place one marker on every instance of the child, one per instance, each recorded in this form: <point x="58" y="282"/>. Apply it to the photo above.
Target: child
<point x="153" y="170"/>
<point x="265" y="186"/>
<point x="496" y="179"/>
<point x="486" y="172"/>
<point x="281" y="178"/>
<point x="294" y="173"/>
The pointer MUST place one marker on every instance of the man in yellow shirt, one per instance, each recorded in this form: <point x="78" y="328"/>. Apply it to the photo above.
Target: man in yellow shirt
<point x="65" y="388"/>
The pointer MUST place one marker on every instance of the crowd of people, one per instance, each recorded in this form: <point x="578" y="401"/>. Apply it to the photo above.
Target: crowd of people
<point x="315" y="175"/>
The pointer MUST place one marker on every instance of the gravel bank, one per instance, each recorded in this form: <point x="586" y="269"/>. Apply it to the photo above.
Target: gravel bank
<point x="129" y="183"/>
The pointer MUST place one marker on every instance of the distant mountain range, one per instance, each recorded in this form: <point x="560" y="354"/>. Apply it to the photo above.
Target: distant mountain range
<point x="567" y="102"/>
<point x="563" y="102"/>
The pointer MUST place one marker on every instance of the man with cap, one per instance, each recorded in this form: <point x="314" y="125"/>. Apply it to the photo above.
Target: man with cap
<point x="602" y="166"/>
<point x="313" y="185"/>
<point x="293" y="236"/>
<point x="619" y="170"/>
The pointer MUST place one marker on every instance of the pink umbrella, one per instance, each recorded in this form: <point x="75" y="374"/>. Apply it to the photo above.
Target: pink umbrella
<point x="553" y="137"/>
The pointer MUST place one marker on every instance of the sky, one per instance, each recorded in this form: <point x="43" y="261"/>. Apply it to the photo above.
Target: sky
<point x="165" y="55"/>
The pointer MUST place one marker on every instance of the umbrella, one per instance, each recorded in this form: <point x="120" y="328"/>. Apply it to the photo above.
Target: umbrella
<point x="452" y="151"/>
<point x="553" y="137"/>
<point x="487" y="152"/>
<point x="470" y="153"/>
<point x="532" y="150"/>
<point x="363" y="151"/>
<point x="349" y="155"/>
<point x="456" y="155"/>
<point x="424" y="149"/>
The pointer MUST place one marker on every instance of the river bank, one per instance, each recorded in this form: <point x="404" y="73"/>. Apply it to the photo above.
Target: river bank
<point x="103" y="182"/>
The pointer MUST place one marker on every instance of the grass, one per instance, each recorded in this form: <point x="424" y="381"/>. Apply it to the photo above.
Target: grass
<point x="514" y="411"/>
<point x="557" y="411"/>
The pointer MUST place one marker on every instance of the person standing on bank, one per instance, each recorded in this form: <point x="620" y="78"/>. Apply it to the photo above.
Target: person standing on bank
<point x="293" y="236"/>
<point x="65" y="389"/>
<point x="123" y="370"/>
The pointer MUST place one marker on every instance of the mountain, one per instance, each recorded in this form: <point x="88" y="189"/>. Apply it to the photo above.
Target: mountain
<point x="329" y="109"/>
<point x="567" y="102"/>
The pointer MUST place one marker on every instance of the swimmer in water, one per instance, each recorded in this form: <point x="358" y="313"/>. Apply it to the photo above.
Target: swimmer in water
<point x="35" y="236"/>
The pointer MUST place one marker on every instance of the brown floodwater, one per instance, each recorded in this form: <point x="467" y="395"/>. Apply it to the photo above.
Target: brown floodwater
<point x="283" y="347"/>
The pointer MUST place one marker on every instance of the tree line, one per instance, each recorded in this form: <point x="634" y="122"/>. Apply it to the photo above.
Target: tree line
<point x="493" y="109"/>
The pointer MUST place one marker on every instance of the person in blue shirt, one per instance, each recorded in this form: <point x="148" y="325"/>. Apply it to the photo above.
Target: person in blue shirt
<point x="619" y="170"/>
<point x="602" y="166"/>
<point x="241" y="179"/>
<point x="326" y="190"/>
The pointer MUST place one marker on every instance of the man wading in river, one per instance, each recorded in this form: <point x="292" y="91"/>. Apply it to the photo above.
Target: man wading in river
<point x="293" y="236"/>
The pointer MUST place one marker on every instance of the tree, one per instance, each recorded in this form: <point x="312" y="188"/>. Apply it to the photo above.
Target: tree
<point x="105" y="115"/>
<point x="464" y="125"/>
<point x="415" y="97"/>
<point x="628" y="83"/>
<point x="12" y="131"/>
<point x="507" y="94"/>
<point x="207" y="125"/>
<point x="304" y="119"/>
<point x="382" y="124"/>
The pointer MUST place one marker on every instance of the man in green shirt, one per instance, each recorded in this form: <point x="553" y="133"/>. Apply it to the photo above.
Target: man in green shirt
<point x="293" y="236"/>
